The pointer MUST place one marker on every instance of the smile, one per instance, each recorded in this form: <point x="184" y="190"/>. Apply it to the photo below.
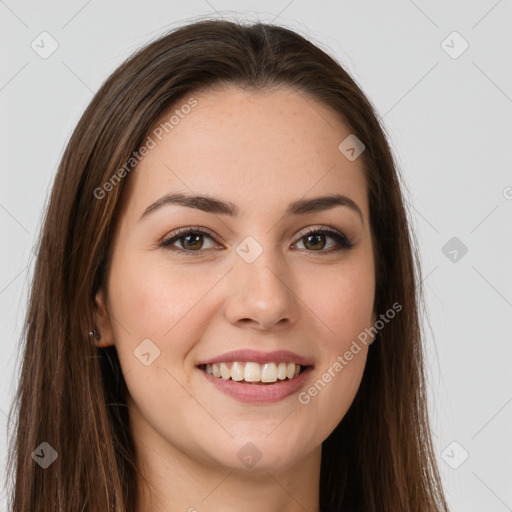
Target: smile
<point x="257" y="377"/>
<point x="252" y="372"/>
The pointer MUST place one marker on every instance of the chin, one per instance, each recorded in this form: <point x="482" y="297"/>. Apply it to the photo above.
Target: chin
<point x="259" y="452"/>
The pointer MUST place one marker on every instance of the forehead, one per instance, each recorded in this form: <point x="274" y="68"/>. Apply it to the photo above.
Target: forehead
<point x="252" y="148"/>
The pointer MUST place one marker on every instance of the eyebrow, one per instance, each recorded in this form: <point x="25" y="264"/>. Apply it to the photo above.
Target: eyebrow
<point x="217" y="206"/>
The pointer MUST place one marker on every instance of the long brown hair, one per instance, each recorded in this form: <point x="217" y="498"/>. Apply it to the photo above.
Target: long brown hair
<point x="72" y="395"/>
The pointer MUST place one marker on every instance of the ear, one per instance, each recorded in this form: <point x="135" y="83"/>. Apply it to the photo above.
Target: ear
<point x="102" y="320"/>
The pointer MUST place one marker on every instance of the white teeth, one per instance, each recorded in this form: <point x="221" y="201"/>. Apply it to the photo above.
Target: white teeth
<point x="290" y="370"/>
<point x="237" y="372"/>
<point x="269" y="372"/>
<point x="253" y="372"/>
<point x="225" y="372"/>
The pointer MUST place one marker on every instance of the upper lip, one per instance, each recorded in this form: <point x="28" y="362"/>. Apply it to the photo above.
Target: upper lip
<point x="257" y="356"/>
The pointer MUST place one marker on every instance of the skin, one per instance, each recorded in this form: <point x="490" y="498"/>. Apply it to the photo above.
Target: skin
<point x="260" y="151"/>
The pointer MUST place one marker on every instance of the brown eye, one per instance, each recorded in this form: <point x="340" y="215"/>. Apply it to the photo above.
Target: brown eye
<point x="314" y="241"/>
<point x="190" y="240"/>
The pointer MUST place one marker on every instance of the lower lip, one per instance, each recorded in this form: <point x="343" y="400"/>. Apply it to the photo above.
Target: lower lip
<point x="259" y="393"/>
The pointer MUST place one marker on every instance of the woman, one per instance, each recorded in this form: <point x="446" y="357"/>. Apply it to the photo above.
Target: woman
<point x="225" y="307"/>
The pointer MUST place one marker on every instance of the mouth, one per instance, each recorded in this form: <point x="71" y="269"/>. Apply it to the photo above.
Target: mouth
<point x="254" y="373"/>
<point x="255" y="377"/>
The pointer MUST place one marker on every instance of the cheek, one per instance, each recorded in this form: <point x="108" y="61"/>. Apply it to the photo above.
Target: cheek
<point x="342" y="303"/>
<point x="331" y="395"/>
<point x="150" y="302"/>
<point x="154" y="300"/>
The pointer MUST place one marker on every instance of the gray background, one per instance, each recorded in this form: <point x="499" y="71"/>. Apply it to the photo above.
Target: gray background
<point x="448" y="118"/>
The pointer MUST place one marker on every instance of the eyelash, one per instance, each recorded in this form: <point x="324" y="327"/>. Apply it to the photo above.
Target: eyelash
<point x="342" y="240"/>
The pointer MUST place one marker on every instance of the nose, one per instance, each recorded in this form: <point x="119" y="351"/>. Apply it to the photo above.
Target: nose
<point x="261" y="293"/>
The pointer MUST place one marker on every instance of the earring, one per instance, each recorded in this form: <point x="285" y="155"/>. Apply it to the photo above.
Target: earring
<point x="94" y="334"/>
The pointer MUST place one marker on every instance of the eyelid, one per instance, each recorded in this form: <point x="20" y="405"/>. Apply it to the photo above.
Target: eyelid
<point x="343" y="241"/>
<point x="315" y="228"/>
<point x="180" y="232"/>
<point x="341" y="238"/>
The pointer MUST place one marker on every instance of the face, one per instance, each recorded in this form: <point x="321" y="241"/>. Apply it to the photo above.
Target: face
<point x="263" y="284"/>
